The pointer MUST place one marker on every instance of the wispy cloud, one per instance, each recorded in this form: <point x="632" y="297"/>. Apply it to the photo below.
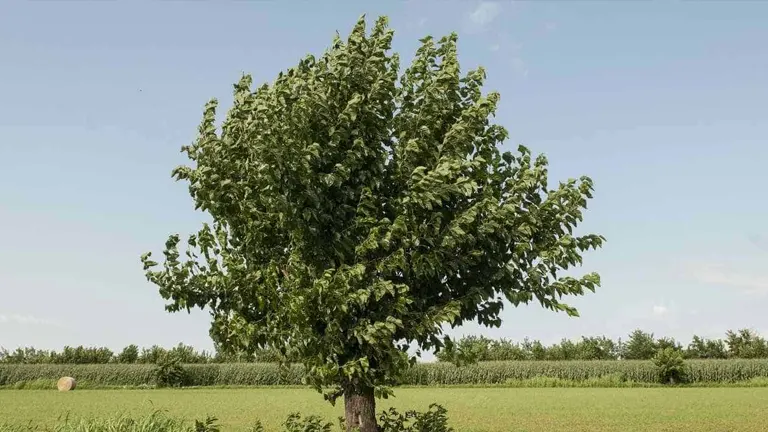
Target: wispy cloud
<point x="550" y="26"/>
<point x="748" y="282"/>
<point x="485" y="13"/>
<point x="659" y="310"/>
<point x="509" y="51"/>
<point x="417" y="13"/>
<point x="758" y="241"/>
<point x="25" y="320"/>
<point x="519" y="66"/>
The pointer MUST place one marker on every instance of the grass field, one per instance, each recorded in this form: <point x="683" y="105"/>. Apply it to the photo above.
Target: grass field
<point x="470" y="409"/>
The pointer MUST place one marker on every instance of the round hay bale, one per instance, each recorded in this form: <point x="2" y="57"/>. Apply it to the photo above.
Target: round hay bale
<point x="66" y="384"/>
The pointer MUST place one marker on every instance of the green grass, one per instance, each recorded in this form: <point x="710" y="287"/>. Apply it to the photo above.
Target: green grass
<point x="470" y="409"/>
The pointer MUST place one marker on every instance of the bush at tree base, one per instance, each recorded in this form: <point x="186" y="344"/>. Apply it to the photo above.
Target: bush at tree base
<point x="435" y="419"/>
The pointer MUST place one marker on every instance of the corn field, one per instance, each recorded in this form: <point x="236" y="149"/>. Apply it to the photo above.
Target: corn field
<point x="432" y="374"/>
<point x="641" y="371"/>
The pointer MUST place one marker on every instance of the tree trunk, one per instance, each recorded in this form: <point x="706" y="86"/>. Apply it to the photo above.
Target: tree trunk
<point x="360" y="410"/>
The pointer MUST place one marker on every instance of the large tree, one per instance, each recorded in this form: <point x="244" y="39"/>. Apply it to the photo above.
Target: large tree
<point x="356" y="212"/>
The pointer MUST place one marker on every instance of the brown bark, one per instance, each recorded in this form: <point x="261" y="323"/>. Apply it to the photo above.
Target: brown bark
<point x="360" y="410"/>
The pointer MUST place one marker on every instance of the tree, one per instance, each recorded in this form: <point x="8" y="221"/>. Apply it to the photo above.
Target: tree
<point x="129" y="354"/>
<point x="597" y="348"/>
<point x="665" y="342"/>
<point x="701" y="348"/>
<point x="639" y="346"/>
<point x="746" y="343"/>
<point x="504" y="349"/>
<point x="468" y="349"/>
<point x="355" y="213"/>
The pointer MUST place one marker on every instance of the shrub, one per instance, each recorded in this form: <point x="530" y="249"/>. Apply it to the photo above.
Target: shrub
<point x="256" y="427"/>
<point x="209" y="425"/>
<point x="311" y="423"/>
<point x="670" y="365"/>
<point x="170" y="373"/>
<point x="433" y="420"/>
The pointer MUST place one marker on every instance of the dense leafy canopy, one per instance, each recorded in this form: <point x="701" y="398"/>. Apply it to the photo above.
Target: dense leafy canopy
<point x="356" y="211"/>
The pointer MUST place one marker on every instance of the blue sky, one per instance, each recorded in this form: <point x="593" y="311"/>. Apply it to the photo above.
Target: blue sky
<point x="662" y="103"/>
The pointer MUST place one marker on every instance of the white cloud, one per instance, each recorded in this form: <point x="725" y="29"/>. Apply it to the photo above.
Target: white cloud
<point x="749" y="282"/>
<point x="758" y="241"/>
<point x="511" y="53"/>
<point x="659" y="310"/>
<point x="25" y="320"/>
<point x="485" y="13"/>
<point x="519" y="66"/>
<point x="550" y="26"/>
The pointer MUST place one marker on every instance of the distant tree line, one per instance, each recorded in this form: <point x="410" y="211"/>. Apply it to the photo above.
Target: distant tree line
<point x="640" y="345"/>
<point x="132" y="354"/>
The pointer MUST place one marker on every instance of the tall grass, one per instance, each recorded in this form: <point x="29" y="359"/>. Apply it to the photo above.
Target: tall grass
<point x="155" y="422"/>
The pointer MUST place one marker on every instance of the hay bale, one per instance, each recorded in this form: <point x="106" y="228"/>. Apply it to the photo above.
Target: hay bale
<point x="66" y="384"/>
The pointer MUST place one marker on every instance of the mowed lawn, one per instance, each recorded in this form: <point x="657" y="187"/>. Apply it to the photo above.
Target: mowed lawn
<point x="470" y="409"/>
